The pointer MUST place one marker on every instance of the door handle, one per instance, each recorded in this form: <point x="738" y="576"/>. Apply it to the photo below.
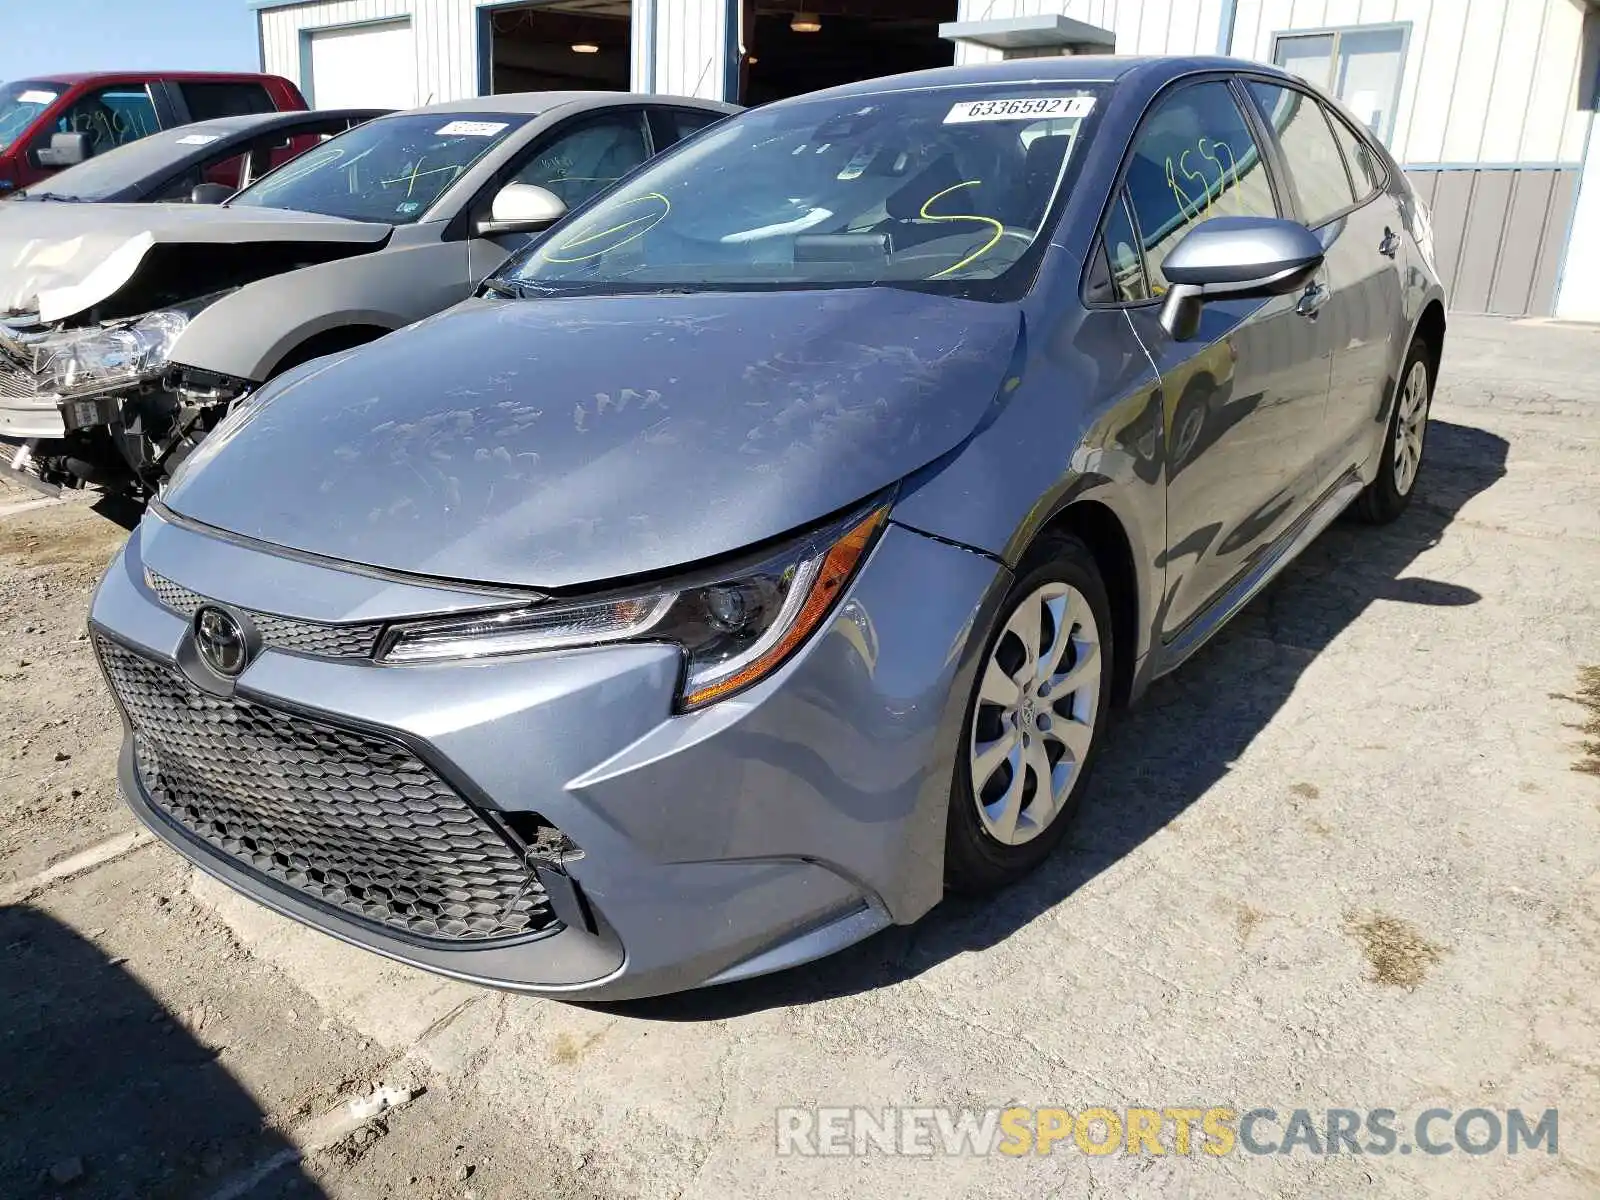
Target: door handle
<point x="1312" y="300"/>
<point x="1390" y="246"/>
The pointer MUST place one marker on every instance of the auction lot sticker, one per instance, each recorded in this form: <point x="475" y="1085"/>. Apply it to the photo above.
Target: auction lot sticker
<point x="1019" y="108"/>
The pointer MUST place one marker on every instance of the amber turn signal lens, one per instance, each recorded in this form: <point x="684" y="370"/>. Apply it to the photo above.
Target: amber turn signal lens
<point x="826" y="586"/>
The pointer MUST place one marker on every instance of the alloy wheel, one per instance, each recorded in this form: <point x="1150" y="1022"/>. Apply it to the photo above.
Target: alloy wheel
<point x="1035" y="713"/>
<point x="1411" y="425"/>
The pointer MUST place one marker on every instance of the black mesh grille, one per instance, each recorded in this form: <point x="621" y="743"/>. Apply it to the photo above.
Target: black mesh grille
<point x="281" y="633"/>
<point x="354" y="821"/>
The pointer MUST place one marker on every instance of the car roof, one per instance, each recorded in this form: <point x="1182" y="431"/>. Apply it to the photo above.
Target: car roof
<point x="535" y="103"/>
<point x="1074" y="68"/>
<point x="69" y="78"/>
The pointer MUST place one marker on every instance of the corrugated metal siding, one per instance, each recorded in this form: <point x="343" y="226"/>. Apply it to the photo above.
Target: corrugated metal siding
<point x="691" y="46"/>
<point x="1499" y="234"/>
<point x="689" y="41"/>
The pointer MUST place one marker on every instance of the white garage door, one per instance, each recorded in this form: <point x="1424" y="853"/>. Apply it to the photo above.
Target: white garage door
<point x="366" y="66"/>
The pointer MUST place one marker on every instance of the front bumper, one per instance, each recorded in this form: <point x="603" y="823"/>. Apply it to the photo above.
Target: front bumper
<point x="777" y="826"/>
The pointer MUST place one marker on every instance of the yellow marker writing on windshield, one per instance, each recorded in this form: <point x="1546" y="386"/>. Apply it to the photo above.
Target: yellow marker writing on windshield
<point x="573" y="243"/>
<point x="999" y="229"/>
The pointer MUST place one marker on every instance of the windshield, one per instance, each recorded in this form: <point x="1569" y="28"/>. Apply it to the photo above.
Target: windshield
<point x="945" y="186"/>
<point x="21" y="104"/>
<point x="389" y="170"/>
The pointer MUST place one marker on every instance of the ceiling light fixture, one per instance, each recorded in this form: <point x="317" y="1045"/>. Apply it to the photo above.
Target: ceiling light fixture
<point x="804" y="22"/>
<point x="585" y="48"/>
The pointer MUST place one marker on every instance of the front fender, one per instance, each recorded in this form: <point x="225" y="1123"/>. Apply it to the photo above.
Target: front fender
<point x="247" y="334"/>
<point x="1083" y="423"/>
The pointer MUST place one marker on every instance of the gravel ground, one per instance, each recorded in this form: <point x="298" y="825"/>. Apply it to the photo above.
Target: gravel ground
<point x="1348" y="857"/>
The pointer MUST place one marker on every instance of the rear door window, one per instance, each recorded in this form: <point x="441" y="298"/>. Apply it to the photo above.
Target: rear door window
<point x="686" y="122"/>
<point x="1316" y="167"/>
<point x="209" y="100"/>
<point x="1193" y="159"/>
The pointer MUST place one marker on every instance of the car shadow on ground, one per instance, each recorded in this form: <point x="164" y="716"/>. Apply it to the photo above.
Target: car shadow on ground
<point x="1181" y="739"/>
<point x="103" y="1092"/>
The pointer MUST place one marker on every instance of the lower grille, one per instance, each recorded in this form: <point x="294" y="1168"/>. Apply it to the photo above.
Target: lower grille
<point x="18" y="383"/>
<point x="355" y="822"/>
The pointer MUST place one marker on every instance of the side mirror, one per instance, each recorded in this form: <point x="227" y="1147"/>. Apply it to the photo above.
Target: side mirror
<point x="210" y="193"/>
<point x="65" y="150"/>
<point x="1237" y="258"/>
<point x="522" y="208"/>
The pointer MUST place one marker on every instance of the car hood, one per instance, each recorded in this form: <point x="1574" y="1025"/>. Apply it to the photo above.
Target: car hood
<point x="562" y="442"/>
<point x="59" y="259"/>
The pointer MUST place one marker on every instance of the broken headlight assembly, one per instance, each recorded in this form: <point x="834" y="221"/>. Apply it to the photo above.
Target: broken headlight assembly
<point x="734" y="630"/>
<point x="119" y="354"/>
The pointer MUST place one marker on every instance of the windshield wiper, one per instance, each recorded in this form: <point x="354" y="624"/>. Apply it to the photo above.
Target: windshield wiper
<point x="500" y="288"/>
<point x="53" y="196"/>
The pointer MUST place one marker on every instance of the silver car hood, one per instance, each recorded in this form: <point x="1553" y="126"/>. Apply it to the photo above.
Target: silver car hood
<point x="563" y="442"/>
<point x="58" y="259"/>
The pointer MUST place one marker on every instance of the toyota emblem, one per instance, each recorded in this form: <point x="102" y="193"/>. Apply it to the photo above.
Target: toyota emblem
<point x="221" y="641"/>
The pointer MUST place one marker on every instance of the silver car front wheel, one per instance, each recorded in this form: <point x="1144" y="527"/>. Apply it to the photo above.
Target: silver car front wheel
<point x="1033" y="718"/>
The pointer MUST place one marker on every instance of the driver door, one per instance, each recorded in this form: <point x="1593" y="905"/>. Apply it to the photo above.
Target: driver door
<point x="1243" y="400"/>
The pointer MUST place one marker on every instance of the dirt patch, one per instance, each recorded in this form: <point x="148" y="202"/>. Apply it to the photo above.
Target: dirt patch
<point x="1306" y="791"/>
<point x="1398" y="953"/>
<point x="1245" y="921"/>
<point x="1588" y="695"/>
<point x="58" y="729"/>
<point x="44" y="539"/>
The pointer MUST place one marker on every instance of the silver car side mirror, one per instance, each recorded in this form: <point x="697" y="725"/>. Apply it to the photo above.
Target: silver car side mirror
<point x="1238" y="258"/>
<point x="522" y="208"/>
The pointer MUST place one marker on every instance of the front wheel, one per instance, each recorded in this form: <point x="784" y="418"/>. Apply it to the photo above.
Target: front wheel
<point x="1386" y="497"/>
<point x="1034" y="720"/>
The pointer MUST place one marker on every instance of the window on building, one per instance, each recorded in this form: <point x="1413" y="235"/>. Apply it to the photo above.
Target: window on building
<point x="110" y="117"/>
<point x="1315" y="164"/>
<point x="1361" y="66"/>
<point x="209" y="100"/>
<point x="1194" y="159"/>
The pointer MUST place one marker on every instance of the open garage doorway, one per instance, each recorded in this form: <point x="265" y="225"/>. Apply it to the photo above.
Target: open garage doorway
<point x="794" y="47"/>
<point x="566" y="44"/>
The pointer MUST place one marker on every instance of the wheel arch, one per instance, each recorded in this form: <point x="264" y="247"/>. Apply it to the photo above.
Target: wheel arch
<point x="328" y="341"/>
<point x="1430" y="328"/>
<point x="1101" y="530"/>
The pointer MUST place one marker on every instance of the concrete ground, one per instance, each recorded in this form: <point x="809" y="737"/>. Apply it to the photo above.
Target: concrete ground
<point x="1349" y="857"/>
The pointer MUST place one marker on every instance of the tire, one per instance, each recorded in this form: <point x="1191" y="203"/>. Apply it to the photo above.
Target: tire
<point x="1400" y="465"/>
<point x="1000" y="826"/>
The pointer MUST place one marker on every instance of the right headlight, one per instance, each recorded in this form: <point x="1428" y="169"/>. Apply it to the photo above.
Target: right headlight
<point x="734" y="631"/>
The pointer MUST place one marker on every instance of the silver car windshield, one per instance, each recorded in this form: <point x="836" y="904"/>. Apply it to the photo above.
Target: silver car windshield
<point x="941" y="185"/>
<point x="21" y="104"/>
<point x="389" y="170"/>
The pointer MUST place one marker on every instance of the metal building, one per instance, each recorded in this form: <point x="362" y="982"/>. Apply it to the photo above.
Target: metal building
<point x="1488" y="103"/>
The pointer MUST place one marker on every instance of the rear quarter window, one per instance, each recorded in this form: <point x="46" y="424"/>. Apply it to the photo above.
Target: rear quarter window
<point x="209" y="100"/>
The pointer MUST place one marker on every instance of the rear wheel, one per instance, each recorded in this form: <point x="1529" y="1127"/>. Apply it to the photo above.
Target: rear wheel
<point x="1386" y="497"/>
<point x="1034" y="720"/>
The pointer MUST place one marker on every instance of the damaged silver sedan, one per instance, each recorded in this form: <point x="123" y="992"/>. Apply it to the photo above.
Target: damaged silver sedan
<point x="128" y="331"/>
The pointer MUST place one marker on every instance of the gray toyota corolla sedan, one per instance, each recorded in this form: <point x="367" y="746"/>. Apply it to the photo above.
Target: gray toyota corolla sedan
<point x="763" y="551"/>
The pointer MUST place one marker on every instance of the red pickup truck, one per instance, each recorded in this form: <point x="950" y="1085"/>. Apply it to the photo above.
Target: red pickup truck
<point x="111" y="108"/>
